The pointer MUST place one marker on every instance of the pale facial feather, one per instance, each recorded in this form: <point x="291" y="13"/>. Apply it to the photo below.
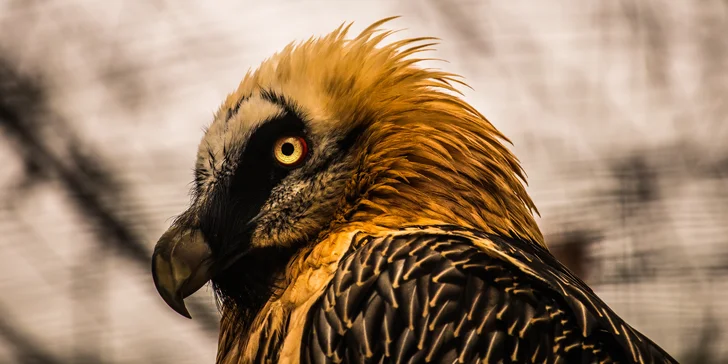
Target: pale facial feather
<point x="232" y="131"/>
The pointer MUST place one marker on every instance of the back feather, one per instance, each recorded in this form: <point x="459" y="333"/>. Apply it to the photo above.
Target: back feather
<point x="447" y="294"/>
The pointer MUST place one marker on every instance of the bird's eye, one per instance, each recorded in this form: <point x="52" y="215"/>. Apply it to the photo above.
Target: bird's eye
<point x="290" y="151"/>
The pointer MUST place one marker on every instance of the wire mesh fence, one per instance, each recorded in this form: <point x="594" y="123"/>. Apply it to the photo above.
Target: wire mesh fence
<point x="617" y="110"/>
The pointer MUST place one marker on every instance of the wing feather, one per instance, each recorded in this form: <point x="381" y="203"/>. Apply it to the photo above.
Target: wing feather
<point x="447" y="294"/>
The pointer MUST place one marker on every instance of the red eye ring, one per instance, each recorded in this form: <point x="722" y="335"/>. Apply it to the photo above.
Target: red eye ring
<point x="290" y="151"/>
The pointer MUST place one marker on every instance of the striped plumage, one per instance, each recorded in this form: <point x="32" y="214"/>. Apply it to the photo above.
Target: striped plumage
<point x="349" y="207"/>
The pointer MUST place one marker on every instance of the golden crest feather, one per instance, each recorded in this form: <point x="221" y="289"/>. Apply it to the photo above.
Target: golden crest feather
<point x="430" y="153"/>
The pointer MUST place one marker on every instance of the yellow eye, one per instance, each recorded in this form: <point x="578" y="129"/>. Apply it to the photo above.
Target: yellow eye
<point x="290" y="151"/>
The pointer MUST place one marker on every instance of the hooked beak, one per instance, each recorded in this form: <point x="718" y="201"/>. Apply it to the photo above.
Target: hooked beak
<point x="181" y="265"/>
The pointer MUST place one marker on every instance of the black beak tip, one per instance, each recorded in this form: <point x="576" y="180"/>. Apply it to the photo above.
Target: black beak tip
<point x="178" y="305"/>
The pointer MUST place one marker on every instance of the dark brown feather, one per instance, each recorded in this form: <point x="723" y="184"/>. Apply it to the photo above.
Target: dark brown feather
<point x="436" y="295"/>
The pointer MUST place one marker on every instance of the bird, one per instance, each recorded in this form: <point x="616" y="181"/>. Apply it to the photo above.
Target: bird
<point x="349" y="205"/>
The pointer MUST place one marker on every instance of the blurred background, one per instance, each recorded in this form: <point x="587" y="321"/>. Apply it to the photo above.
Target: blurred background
<point x="617" y="110"/>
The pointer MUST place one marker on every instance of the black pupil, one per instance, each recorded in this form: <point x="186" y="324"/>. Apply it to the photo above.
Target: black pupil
<point x="287" y="149"/>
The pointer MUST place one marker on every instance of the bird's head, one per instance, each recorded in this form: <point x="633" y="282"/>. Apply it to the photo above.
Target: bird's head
<point x="326" y="133"/>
